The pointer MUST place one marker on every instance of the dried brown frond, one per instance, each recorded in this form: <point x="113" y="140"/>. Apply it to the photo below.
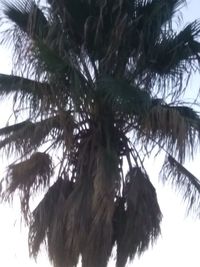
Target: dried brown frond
<point x="137" y="217"/>
<point x="106" y="181"/>
<point x="77" y="220"/>
<point x="184" y="182"/>
<point x="27" y="178"/>
<point x="47" y="222"/>
<point x="68" y="236"/>
<point x="170" y="129"/>
<point x="27" y="136"/>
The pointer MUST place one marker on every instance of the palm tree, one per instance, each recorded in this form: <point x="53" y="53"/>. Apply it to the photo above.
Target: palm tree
<point x="99" y="85"/>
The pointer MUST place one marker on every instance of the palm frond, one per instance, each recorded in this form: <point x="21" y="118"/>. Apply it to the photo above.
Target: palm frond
<point x="12" y="128"/>
<point x="27" y="136"/>
<point x="138" y="224"/>
<point x="32" y="22"/>
<point x="152" y="17"/>
<point x="46" y="50"/>
<point x="11" y="84"/>
<point x="176" y="52"/>
<point x="122" y="96"/>
<point x="184" y="182"/>
<point x="73" y="233"/>
<point x="50" y="58"/>
<point x="66" y="245"/>
<point x="27" y="16"/>
<point x="45" y="220"/>
<point x="27" y="178"/>
<point x="106" y="181"/>
<point x="175" y="129"/>
<point x="26" y="92"/>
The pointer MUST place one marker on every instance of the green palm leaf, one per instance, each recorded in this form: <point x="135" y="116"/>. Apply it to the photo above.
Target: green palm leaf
<point x="184" y="182"/>
<point x="28" y="136"/>
<point x="152" y="16"/>
<point x="10" y="84"/>
<point x="123" y="96"/>
<point x="176" y="51"/>
<point x="31" y="21"/>
<point x="27" y="16"/>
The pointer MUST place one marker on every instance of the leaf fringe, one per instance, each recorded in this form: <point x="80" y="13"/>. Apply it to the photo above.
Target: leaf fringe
<point x="175" y="129"/>
<point x="28" y="177"/>
<point x="47" y="222"/>
<point x="185" y="183"/>
<point x="137" y="217"/>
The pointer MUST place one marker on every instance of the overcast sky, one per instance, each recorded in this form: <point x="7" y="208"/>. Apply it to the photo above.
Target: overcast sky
<point x="179" y="243"/>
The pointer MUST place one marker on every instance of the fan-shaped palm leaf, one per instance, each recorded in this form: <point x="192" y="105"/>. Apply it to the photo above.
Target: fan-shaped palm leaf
<point x="174" y="128"/>
<point x="170" y="53"/>
<point x="28" y="136"/>
<point x="123" y="97"/>
<point x="184" y="181"/>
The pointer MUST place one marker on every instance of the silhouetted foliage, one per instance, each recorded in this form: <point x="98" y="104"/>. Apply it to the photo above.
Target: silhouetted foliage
<point x="96" y="81"/>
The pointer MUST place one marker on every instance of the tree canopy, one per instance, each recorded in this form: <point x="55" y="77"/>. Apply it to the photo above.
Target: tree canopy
<point x="99" y="85"/>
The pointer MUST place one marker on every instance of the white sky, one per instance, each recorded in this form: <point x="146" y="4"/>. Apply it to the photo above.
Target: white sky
<point x="179" y="243"/>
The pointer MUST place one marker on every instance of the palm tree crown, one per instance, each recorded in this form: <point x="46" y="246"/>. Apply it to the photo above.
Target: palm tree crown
<point x="96" y="81"/>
